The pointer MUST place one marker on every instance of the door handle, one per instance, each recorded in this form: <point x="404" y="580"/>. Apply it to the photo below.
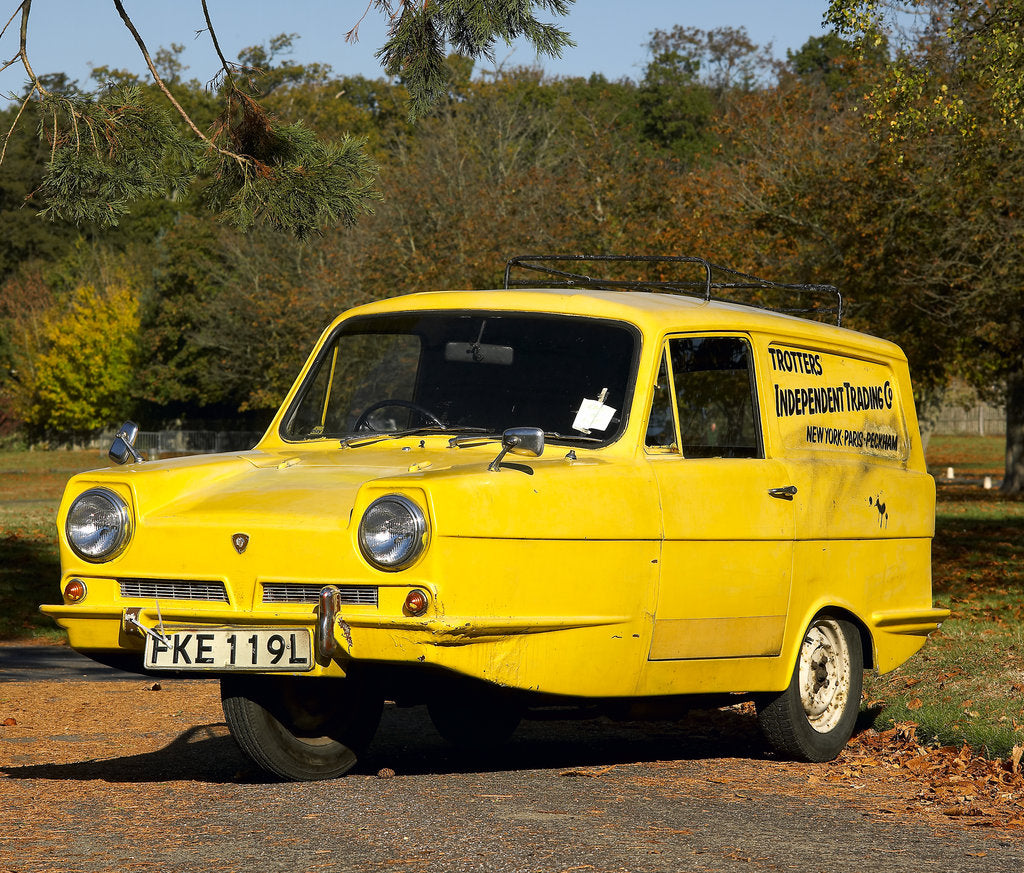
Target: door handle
<point x="785" y="493"/>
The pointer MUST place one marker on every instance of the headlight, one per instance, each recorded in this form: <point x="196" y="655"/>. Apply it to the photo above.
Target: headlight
<point x="99" y="525"/>
<point x="391" y="532"/>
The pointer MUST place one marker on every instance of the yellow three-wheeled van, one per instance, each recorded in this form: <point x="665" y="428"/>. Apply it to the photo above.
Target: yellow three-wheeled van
<point x="587" y="490"/>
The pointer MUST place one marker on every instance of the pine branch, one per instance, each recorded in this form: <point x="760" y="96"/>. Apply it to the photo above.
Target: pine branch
<point x="420" y="34"/>
<point x="111" y="149"/>
<point x="130" y="150"/>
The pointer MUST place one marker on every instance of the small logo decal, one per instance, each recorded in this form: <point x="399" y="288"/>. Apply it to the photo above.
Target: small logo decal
<point x="240" y="541"/>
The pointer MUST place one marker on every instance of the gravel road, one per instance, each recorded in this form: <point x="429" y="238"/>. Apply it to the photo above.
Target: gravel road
<point x="121" y="773"/>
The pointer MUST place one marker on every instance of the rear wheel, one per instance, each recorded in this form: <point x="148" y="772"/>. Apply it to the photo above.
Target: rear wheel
<point x="813" y="719"/>
<point x="299" y="728"/>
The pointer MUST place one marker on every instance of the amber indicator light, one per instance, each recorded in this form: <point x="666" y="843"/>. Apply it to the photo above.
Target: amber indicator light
<point x="416" y="602"/>
<point x="75" y="591"/>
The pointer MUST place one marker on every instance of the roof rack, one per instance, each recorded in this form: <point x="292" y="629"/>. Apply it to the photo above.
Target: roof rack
<point x="715" y="278"/>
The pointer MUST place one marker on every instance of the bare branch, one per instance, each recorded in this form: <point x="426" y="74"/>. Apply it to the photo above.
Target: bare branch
<point x="14" y="15"/>
<point x="14" y="124"/>
<point x="213" y="38"/>
<point x="353" y="34"/>
<point x="25" y="7"/>
<point x="242" y="160"/>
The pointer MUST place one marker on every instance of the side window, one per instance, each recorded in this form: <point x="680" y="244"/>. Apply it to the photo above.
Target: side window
<point x="661" y="426"/>
<point x="714" y="387"/>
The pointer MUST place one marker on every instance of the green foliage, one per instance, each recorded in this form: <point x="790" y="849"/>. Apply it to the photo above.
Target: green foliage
<point x="85" y="369"/>
<point x="689" y="78"/>
<point x="951" y="105"/>
<point x="833" y="61"/>
<point x="961" y="64"/>
<point x="264" y="76"/>
<point x="677" y="110"/>
<point x="290" y="179"/>
<point x="422" y="34"/>
<point x="24" y="236"/>
<point x="109" y="151"/>
<point x="229" y="319"/>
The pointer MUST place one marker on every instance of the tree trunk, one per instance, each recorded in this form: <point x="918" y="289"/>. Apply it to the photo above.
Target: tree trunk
<point x="1013" y="480"/>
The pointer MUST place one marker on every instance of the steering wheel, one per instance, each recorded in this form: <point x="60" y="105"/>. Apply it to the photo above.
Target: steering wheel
<point x="363" y="422"/>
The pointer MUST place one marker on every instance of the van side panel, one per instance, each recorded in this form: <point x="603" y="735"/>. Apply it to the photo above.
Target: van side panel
<point x="843" y="423"/>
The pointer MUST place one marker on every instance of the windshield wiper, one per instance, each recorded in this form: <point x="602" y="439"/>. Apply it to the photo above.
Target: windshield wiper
<point x="473" y="436"/>
<point x="355" y="441"/>
<point x="576" y="438"/>
<point x="458" y="442"/>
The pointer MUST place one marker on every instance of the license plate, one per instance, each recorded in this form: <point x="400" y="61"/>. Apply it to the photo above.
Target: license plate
<point x="264" y="649"/>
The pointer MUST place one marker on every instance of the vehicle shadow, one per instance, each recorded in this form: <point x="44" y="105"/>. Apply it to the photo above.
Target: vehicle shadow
<point x="408" y="744"/>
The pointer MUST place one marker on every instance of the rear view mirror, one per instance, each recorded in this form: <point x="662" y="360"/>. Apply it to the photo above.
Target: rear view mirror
<point x="122" y="449"/>
<point x="527" y="441"/>
<point x="478" y="353"/>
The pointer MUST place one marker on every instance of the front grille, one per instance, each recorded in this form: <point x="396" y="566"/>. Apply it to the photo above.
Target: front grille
<point x="173" y="589"/>
<point x="290" y="592"/>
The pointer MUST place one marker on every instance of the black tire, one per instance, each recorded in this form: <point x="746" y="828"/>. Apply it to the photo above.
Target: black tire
<point x="300" y="729"/>
<point x="813" y="719"/>
<point x="475" y="719"/>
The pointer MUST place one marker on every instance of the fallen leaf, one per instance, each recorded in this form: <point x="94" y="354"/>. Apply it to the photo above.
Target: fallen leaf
<point x="916" y="703"/>
<point x="10" y="722"/>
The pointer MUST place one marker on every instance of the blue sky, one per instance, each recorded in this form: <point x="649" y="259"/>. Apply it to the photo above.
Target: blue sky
<point x="72" y="35"/>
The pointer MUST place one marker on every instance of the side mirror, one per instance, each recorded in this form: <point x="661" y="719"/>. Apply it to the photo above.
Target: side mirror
<point x="122" y="449"/>
<point x="528" y="441"/>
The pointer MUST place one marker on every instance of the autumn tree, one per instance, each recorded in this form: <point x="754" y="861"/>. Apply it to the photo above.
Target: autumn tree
<point x="818" y="199"/>
<point x="689" y="78"/>
<point x="954" y="91"/>
<point x="229" y="318"/>
<point x="518" y="163"/>
<point x="26" y="299"/>
<point x="80" y="378"/>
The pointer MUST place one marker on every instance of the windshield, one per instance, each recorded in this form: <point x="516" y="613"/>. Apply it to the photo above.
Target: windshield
<point x="478" y="373"/>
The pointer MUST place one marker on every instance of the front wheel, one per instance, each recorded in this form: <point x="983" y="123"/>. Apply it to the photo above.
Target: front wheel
<point x="813" y="719"/>
<point x="300" y="728"/>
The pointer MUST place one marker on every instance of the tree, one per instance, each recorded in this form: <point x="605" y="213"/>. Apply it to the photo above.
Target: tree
<point x="110" y="148"/>
<point x="690" y="77"/>
<point x="816" y="198"/>
<point x="228" y="318"/>
<point x="25" y="300"/>
<point x="954" y="88"/>
<point x="81" y="379"/>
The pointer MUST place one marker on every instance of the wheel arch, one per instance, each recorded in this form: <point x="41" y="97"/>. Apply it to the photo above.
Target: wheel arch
<point x="866" y="640"/>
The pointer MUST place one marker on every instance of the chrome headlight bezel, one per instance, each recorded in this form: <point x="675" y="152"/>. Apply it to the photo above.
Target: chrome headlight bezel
<point x="81" y="528"/>
<point x="378" y="543"/>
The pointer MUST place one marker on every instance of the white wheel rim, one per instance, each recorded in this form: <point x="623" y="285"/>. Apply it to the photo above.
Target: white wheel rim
<point x="824" y="675"/>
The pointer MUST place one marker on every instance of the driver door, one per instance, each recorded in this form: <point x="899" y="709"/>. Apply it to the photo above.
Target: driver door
<point x="728" y="520"/>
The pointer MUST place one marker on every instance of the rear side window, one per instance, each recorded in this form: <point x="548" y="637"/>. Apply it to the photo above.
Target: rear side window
<point x="712" y="386"/>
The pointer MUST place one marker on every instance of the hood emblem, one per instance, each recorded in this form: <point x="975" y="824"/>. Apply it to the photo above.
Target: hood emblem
<point x="240" y="541"/>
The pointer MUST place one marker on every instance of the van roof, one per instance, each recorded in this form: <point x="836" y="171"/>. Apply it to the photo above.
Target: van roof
<point x="654" y="313"/>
